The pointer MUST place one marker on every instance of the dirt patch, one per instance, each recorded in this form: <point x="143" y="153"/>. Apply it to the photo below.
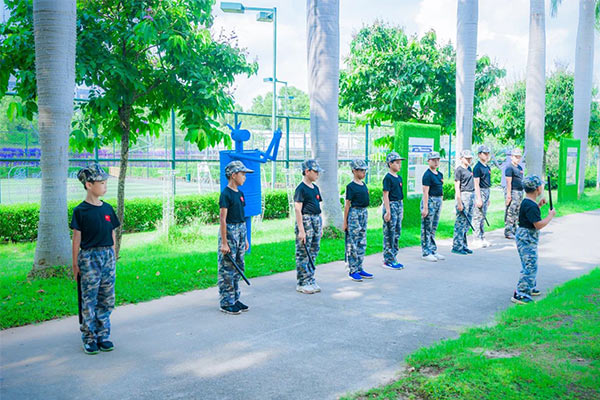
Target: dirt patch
<point x="580" y="361"/>
<point x="494" y="354"/>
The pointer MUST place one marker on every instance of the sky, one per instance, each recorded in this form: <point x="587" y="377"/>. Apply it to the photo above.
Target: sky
<point x="503" y="32"/>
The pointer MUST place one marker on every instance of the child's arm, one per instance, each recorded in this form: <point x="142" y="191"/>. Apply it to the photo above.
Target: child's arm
<point x="478" y="192"/>
<point x="223" y="230"/>
<point x="425" y="209"/>
<point x="540" y="224"/>
<point x="76" y="244"/>
<point x="346" y="211"/>
<point x="508" y="189"/>
<point x="386" y="206"/>
<point x="301" y="232"/>
<point x="114" y="246"/>
<point x="459" y="203"/>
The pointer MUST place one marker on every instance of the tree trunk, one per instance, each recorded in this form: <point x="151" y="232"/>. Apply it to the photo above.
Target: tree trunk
<point x="535" y="97"/>
<point x="323" y="45"/>
<point x="584" y="66"/>
<point x="466" y="58"/>
<point x="54" y="30"/>
<point x="124" y="116"/>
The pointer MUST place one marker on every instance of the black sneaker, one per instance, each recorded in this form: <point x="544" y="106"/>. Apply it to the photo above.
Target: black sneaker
<point x="468" y="251"/>
<point x="242" y="307"/>
<point x="520" y="299"/>
<point x="90" y="348"/>
<point x="510" y="236"/>
<point x="457" y="251"/>
<point x="233" y="310"/>
<point x="106" y="345"/>
<point x="535" y="292"/>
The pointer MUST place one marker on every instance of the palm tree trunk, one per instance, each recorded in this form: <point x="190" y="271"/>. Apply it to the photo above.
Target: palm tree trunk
<point x="584" y="67"/>
<point x="535" y="97"/>
<point x="466" y="58"/>
<point x="54" y="31"/>
<point x="323" y="44"/>
<point x="124" y="116"/>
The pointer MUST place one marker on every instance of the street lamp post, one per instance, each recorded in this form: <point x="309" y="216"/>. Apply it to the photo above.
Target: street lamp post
<point x="264" y="15"/>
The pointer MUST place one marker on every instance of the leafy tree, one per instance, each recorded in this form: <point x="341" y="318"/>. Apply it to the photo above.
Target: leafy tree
<point x="140" y="59"/>
<point x="395" y="77"/>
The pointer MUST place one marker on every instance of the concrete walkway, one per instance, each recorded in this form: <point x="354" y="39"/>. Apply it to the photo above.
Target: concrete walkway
<point x="289" y="346"/>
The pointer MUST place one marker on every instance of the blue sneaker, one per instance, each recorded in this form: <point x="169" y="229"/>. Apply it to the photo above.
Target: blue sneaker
<point x="355" y="277"/>
<point x="521" y="299"/>
<point x="365" y="275"/>
<point x="398" y="266"/>
<point x="469" y="251"/>
<point x="462" y="252"/>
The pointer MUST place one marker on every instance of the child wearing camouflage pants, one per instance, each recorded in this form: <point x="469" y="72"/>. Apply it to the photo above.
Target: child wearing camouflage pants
<point x="94" y="259"/>
<point x="355" y="221"/>
<point x="464" y="194"/>
<point x="392" y="211"/>
<point x="482" y="178"/>
<point x="232" y="238"/>
<point x="527" y="236"/>
<point x="309" y="226"/>
<point x="431" y="207"/>
<point x="513" y="193"/>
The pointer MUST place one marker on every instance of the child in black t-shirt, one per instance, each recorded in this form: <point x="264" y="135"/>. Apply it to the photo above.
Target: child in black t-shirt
<point x="393" y="211"/>
<point x="232" y="238"/>
<point x="513" y="193"/>
<point x="527" y="236"/>
<point x="431" y="207"/>
<point x="355" y="221"/>
<point x="309" y="226"/>
<point x="94" y="260"/>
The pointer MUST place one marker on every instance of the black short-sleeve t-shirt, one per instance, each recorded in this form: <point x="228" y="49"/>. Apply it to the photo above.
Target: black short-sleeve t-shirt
<point x="465" y="177"/>
<point x="529" y="213"/>
<point x="393" y="185"/>
<point x="435" y="183"/>
<point x="96" y="224"/>
<point x="484" y="173"/>
<point x="358" y="195"/>
<point x="309" y="197"/>
<point x="516" y="173"/>
<point x="234" y="202"/>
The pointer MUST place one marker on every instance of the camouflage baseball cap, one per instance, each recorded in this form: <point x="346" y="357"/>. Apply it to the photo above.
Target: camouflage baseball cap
<point x="433" y="155"/>
<point x="359" y="164"/>
<point x="311" y="165"/>
<point x="516" y="152"/>
<point x="532" y="182"/>
<point x="466" y="154"/>
<point x="393" y="156"/>
<point x="483" y="149"/>
<point x="92" y="173"/>
<point x="236" y="166"/>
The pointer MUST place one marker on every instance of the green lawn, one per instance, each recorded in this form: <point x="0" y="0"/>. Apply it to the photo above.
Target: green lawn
<point x="546" y="350"/>
<point x="150" y="267"/>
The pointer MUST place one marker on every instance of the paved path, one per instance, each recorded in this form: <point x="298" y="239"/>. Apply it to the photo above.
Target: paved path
<point x="289" y="346"/>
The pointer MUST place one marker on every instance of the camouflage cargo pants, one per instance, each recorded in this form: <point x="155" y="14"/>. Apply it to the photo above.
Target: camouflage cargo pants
<point x="392" y="231"/>
<point x="313" y="227"/>
<point x="461" y="225"/>
<point x="357" y="238"/>
<point x="228" y="277"/>
<point x="527" y="245"/>
<point x="512" y="212"/>
<point x="97" y="267"/>
<point x="479" y="214"/>
<point x="429" y="224"/>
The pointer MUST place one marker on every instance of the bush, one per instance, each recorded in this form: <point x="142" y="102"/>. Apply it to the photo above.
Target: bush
<point x="18" y="222"/>
<point x="449" y="191"/>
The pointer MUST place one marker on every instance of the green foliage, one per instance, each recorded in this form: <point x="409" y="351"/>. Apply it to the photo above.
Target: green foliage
<point x="298" y="106"/>
<point x="18" y="222"/>
<point x="394" y="77"/>
<point x="559" y="110"/>
<point x="449" y="190"/>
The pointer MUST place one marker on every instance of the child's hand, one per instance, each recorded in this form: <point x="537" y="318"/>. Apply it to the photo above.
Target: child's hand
<point x="302" y="237"/>
<point x="75" y="271"/>
<point x="479" y="203"/>
<point x="344" y="226"/>
<point x="387" y="217"/>
<point x="424" y="212"/>
<point x="460" y="206"/>
<point x="542" y="202"/>
<point x="247" y="245"/>
<point x="225" y="248"/>
<point x="552" y="213"/>
<point x="508" y="200"/>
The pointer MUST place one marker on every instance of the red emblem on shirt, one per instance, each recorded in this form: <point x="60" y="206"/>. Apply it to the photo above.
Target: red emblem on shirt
<point x="242" y="198"/>
<point x="107" y="217"/>
<point x="318" y="197"/>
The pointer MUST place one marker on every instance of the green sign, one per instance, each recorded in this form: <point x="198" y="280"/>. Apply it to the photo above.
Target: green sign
<point x="568" y="169"/>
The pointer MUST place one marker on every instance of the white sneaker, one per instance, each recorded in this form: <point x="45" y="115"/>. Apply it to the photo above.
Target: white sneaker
<point x="306" y="289"/>
<point x="439" y="256"/>
<point x="315" y="287"/>
<point x="486" y="243"/>
<point x="477" y="244"/>
<point x="429" y="257"/>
